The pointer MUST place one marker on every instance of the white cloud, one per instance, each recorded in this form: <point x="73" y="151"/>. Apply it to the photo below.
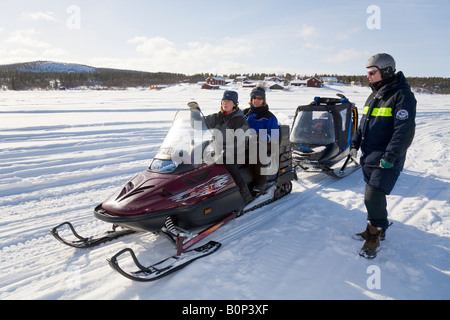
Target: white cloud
<point x="54" y="53"/>
<point x="229" y="67"/>
<point x="345" y="55"/>
<point x="308" y="32"/>
<point x="340" y="36"/>
<point x="21" y="53"/>
<point x="36" y="16"/>
<point x="152" y="46"/>
<point x="27" y="45"/>
<point x="310" y="46"/>
<point x="165" y="55"/>
<point x="27" y="38"/>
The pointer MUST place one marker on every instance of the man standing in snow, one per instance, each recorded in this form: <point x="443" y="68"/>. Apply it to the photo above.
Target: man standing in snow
<point x="385" y="133"/>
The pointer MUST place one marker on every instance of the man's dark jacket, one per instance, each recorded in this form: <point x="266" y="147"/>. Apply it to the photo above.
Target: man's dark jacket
<point x="387" y="126"/>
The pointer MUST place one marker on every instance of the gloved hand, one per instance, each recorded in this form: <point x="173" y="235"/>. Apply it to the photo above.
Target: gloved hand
<point x="193" y="105"/>
<point x="387" y="162"/>
<point x="353" y="152"/>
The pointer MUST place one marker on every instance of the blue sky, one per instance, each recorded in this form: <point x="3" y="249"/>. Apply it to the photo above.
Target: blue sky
<point x="224" y="37"/>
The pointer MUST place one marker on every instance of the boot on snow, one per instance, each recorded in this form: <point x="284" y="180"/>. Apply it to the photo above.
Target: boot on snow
<point x="365" y="234"/>
<point x="372" y="244"/>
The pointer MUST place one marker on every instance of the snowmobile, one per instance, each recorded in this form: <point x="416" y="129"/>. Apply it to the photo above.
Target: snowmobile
<point x="184" y="194"/>
<point x="321" y="136"/>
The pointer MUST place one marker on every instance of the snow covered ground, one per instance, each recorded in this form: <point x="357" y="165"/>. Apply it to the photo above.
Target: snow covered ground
<point x="62" y="153"/>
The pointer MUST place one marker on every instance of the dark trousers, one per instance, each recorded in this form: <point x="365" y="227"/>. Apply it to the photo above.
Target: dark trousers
<point x="239" y="180"/>
<point x="379" y="183"/>
<point x="256" y="171"/>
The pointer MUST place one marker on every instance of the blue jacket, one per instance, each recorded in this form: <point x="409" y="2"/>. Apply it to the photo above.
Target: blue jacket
<point x="261" y="118"/>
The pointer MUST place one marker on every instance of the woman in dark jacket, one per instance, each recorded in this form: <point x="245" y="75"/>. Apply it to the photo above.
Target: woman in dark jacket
<point x="231" y="117"/>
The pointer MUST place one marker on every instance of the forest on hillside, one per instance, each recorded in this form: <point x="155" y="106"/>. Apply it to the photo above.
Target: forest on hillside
<point x="121" y="79"/>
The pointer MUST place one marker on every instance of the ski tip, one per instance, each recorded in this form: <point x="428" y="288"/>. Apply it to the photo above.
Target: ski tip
<point x="208" y="248"/>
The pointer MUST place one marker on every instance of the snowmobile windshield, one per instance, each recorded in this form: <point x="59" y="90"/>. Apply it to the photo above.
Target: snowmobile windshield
<point x="313" y="128"/>
<point x="183" y="147"/>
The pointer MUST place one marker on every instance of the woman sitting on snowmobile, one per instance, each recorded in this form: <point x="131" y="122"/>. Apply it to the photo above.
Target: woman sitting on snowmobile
<point x="260" y="118"/>
<point x="231" y="117"/>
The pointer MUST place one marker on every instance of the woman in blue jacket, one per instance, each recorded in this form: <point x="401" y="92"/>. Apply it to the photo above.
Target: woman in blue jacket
<point x="259" y="117"/>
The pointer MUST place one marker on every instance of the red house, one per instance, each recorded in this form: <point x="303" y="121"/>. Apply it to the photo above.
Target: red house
<point x="215" y="81"/>
<point x="314" y="82"/>
<point x="311" y="82"/>
<point x="209" y="86"/>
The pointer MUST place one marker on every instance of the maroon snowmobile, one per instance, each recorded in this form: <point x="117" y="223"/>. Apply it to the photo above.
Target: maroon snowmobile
<point x="184" y="194"/>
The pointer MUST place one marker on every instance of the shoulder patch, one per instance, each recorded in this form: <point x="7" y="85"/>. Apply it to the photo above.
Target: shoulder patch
<point x="402" y="115"/>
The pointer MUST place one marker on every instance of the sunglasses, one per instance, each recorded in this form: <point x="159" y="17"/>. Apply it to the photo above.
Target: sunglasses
<point x="371" y="73"/>
<point x="258" y="98"/>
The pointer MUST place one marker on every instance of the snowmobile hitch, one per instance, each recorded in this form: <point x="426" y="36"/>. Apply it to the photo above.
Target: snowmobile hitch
<point x="82" y="242"/>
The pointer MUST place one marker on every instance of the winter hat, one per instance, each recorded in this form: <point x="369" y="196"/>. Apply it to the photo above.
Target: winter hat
<point x="258" y="92"/>
<point x="232" y="96"/>
<point x="384" y="62"/>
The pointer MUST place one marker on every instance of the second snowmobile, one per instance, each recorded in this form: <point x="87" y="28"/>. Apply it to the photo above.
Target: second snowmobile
<point x="321" y="136"/>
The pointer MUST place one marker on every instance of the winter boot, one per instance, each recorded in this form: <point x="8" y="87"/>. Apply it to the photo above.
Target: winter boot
<point x="260" y="188"/>
<point x="365" y="234"/>
<point x="246" y="195"/>
<point x="372" y="244"/>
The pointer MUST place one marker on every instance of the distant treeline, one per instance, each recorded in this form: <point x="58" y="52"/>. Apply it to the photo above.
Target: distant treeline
<point x="421" y="84"/>
<point x="121" y="79"/>
<point x="26" y="80"/>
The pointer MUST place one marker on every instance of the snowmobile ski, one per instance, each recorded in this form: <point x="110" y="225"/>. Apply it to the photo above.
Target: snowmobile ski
<point x="164" y="267"/>
<point x="176" y="262"/>
<point x="89" y="242"/>
<point x="344" y="171"/>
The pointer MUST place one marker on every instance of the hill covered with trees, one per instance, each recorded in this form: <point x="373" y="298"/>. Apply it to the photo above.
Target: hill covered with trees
<point x="47" y="75"/>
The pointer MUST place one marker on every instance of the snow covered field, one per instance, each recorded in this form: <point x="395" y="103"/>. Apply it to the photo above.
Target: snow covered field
<point x="62" y="153"/>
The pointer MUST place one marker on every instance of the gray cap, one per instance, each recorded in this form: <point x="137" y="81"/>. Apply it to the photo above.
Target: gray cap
<point x="384" y="62"/>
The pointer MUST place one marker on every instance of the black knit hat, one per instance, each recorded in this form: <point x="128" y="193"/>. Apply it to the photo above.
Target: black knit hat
<point x="232" y="96"/>
<point x="258" y="92"/>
